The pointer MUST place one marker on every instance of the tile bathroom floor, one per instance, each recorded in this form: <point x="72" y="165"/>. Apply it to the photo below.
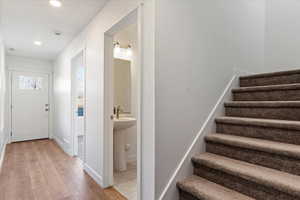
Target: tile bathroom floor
<point x="126" y="183"/>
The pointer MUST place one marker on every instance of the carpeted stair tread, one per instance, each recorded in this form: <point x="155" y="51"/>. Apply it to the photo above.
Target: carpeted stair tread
<point x="267" y="88"/>
<point x="255" y="149"/>
<point x="271" y="74"/>
<point x="206" y="190"/>
<point x="274" y="123"/>
<point x="263" y="104"/>
<point x="278" y="148"/>
<point x="275" y="179"/>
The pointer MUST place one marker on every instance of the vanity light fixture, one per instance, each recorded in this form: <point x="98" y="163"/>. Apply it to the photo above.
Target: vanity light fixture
<point x="55" y="3"/>
<point x="122" y="53"/>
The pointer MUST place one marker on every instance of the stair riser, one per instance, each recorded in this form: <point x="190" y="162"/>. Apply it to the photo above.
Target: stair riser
<point x="243" y="186"/>
<point x="275" y="80"/>
<point x="267" y="113"/>
<point x="186" y="196"/>
<point x="268" y="133"/>
<point x="274" y="95"/>
<point x="278" y="162"/>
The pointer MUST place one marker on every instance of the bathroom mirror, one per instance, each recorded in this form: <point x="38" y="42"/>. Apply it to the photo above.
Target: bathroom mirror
<point x="122" y="84"/>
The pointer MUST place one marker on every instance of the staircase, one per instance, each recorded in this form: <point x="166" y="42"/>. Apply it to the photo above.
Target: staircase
<point x="255" y="152"/>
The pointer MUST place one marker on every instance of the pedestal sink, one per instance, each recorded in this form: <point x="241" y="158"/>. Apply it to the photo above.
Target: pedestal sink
<point x="124" y="123"/>
<point x="121" y="126"/>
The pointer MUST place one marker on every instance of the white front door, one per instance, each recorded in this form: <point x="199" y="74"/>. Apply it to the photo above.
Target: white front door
<point x="30" y="106"/>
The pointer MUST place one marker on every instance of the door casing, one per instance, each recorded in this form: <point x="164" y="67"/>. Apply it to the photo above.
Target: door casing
<point x="73" y="134"/>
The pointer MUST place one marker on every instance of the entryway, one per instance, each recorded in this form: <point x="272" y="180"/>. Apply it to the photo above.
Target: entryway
<point x="122" y="157"/>
<point x="29" y="106"/>
<point x="78" y="104"/>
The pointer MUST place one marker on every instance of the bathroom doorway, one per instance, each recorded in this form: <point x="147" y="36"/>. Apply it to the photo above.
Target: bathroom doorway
<point x="125" y="111"/>
<point x="78" y="105"/>
<point x="122" y="107"/>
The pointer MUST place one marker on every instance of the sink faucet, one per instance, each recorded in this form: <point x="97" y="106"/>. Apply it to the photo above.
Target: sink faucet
<point x="119" y="110"/>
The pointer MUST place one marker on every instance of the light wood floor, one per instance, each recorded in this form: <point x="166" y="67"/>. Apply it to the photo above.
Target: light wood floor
<point x="40" y="170"/>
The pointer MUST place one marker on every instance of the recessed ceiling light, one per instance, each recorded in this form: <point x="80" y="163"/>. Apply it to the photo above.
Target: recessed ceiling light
<point x="55" y="3"/>
<point x="38" y="43"/>
<point x="57" y="33"/>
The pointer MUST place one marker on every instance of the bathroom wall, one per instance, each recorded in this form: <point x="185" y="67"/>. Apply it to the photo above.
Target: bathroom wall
<point x="129" y="36"/>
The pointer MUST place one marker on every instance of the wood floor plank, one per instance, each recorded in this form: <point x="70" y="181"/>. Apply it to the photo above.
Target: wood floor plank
<point x="40" y="170"/>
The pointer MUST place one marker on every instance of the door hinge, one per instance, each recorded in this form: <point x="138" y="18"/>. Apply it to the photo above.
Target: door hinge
<point x="11" y="134"/>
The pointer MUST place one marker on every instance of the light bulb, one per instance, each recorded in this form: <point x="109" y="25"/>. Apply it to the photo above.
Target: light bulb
<point x="55" y="3"/>
<point x="38" y="43"/>
<point x="117" y="47"/>
<point x="129" y="51"/>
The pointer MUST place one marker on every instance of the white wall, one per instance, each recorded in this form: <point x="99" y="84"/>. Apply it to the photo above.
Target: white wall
<point x="199" y="43"/>
<point x="282" y="35"/>
<point x="62" y="92"/>
<point x="93" y="39"/>
<point x="3" y="98"/>
<point x="28" y="64"/>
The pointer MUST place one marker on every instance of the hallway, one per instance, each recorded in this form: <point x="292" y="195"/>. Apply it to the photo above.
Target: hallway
<point x="40" y="170"/>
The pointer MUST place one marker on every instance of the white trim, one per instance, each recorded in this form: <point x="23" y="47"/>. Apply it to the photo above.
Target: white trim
<point x="139" y="71"/>
<point x="51" y="105"/>
<point x="2" y="152"/>
<point x="108" y="105"/>
<point x="90" y="171"/>
<point x="83" y="52"/>
<point x="63" y="144"/>
<point x="206" y="128"/>
<point x="147" y="153"/>
<point x="9" y="105"/>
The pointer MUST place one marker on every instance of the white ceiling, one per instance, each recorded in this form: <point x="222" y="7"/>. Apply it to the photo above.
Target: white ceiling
<point x="25" y="21"/>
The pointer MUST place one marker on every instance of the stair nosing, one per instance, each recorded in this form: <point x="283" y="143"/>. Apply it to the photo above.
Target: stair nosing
<point x="204" y="192"/>
<point x="263" y="104"/>
<point x="274" y="123"/>
<point x="271" y="74"/>
<point x="280" y="87"/>
<point x="277" y="180"/>
<point x="279" y="148"/>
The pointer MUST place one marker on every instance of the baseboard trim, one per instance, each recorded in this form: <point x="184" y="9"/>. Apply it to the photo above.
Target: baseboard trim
<point x="92" y="173"/>
<point x="2" y="153"/>
<point x="184" y="168"/>
<point x="65" y="147"/>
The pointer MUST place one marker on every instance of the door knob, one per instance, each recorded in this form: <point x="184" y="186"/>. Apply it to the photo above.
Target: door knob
<point x="46" y="107"/>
